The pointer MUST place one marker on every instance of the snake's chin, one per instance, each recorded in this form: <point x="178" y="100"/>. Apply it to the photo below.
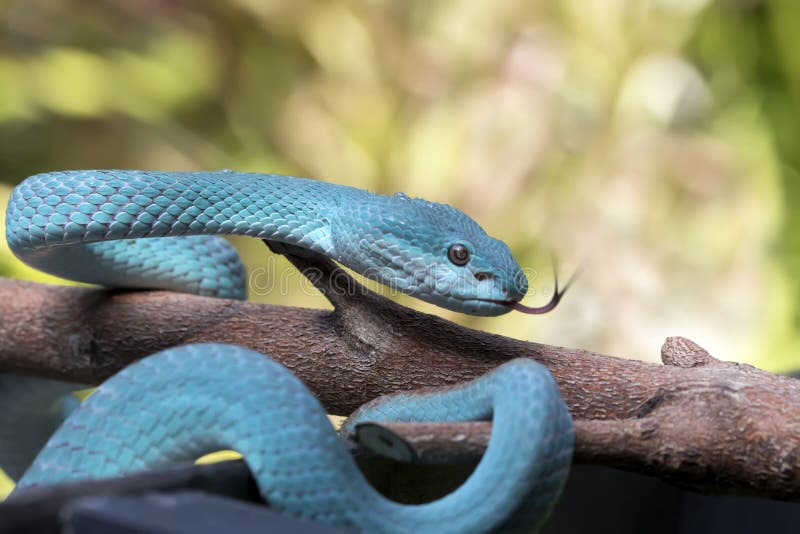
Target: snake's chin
<point x="482" y="307"/>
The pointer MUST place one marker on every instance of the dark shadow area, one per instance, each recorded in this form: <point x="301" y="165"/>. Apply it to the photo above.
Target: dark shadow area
<point x="597" y="500"/>
<point x="603" y="500"/>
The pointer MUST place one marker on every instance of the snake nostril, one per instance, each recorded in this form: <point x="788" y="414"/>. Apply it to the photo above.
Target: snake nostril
<point x="480" y="277"/>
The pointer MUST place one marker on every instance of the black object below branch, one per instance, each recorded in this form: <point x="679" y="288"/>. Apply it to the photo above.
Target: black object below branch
<point x="37" y="510"/>
<point x="597" y="499"/>
<point x="185" y="512"/>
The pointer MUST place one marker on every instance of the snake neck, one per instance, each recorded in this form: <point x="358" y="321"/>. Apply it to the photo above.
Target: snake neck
<point x="64" y="208"/>
<point x="86" y="225"/>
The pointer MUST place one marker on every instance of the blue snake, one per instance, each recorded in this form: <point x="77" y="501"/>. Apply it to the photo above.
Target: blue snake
<point x="115" y="228"/>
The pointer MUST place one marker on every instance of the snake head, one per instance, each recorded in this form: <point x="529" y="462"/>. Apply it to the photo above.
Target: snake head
<point x="429" y="250"/>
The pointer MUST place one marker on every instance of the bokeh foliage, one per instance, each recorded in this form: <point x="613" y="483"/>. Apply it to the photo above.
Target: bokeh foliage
<point x="655" y="141"/>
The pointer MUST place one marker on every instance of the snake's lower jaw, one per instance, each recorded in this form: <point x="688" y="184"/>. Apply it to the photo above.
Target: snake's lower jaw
<point x="500" y="307"/>
<point x="479" y="307"/>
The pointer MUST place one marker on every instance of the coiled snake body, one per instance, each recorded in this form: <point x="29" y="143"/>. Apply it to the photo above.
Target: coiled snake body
<point x="115" y="228"/>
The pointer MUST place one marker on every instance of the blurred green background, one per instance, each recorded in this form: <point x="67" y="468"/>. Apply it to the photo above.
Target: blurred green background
<point x="655" y="142"/>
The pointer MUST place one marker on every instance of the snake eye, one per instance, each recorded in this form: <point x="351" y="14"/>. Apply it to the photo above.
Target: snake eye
<point x="458" y="254"/>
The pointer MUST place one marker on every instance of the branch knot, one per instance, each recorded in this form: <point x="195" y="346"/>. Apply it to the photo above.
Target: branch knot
<point x="682" y="352"/>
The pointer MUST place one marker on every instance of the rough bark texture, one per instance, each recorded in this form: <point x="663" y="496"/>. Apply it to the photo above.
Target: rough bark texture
<point x="695" y="421"/>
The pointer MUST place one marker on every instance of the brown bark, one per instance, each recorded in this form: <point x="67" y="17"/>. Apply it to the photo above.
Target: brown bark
<point x="694" y="421"/>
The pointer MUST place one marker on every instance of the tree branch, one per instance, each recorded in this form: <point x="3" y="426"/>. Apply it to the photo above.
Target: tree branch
<point x="695" y="421"/>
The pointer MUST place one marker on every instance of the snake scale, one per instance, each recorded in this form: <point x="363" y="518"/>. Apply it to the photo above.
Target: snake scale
<point x="117" y="228"/>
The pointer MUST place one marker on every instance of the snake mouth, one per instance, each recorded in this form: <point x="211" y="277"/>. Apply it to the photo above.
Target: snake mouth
<point x="517" y="305"/>
<point x="538" y="310"/>
<point x="531" y="310"/>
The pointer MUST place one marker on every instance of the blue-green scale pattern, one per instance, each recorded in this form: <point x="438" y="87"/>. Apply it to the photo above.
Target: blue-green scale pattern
<point x="185" y="402"/>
